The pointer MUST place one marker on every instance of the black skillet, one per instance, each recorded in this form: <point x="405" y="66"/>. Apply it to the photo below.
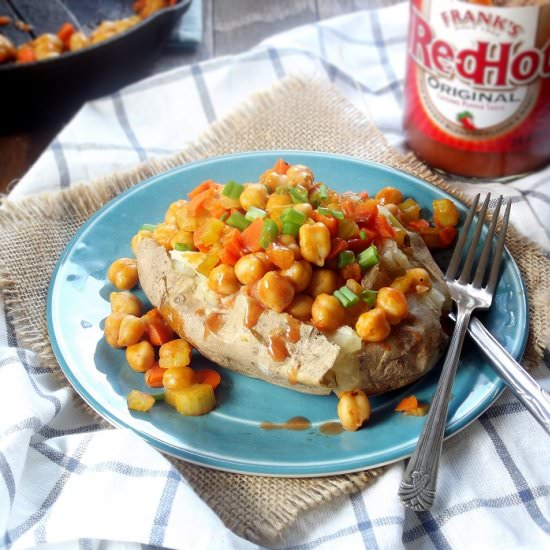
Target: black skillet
<point x="35" y="92"/>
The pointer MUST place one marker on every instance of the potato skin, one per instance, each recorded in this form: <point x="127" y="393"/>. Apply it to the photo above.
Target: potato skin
<point x="313" y="363"/>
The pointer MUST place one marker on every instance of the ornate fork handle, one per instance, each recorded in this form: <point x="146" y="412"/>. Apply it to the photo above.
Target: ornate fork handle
<point x="417" y="489"/>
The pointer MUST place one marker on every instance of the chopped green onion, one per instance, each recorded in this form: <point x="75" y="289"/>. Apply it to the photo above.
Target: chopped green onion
<point x="324" y="211"/>
<point x="294" y="216"/>
<point x="369" y="296"/>
<point x="290" y="228"/>
<point x="232" y="189"/>
<point x="345" y="258"/>
<point x="237" y="220"/>
<point x="269" y="233"/>
<point x="254" y="213"/>
<point x="224" y="217"/>
<point x="346" y="296"/>
<point x="183" y="247"/>
<point x="159" y="396"/>
<point x="362" y="234"/>
<point x="147" y="227"/>
<point x="320" y="195"/>
<point x="281" y="190"/>
<point x="298" y="194"/>
<point x="368" y="257"/>
<point x="338" y="214"/>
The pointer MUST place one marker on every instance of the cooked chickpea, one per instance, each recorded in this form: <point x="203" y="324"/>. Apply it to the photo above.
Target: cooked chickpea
<point x="249" y="269"/>
<point x="275" y="291"/>
<point x="78" y="41"/>
<point x="178" y="378"/>
<point x="276" y="204"/>
<point x="223" y="280"/>
<point x="131" y="330"/>
<point x="389" y="195"/>
<point x="304" y="208"/>
<point x="315" y="242"/>
<point x="272" y="179"/>
<point x="163" y="234"/>
<point x="394" y="303"/>
<point x="373" y="326"/>
<point x="290" y="242"/>
<point x="184" y="220"/>
<point x="353" y="409"/>
<point x="301" y="307"/>
<point x="7" y="49"/>
<point x="327" y="313"/>
<point x="47" y="45"/>
<point x="280" y="255"/>
<point x="298" y="174"/>
<point x="125" y="302"/>
<point x="323" y="281"/>
<point x="123" y="273"/>
<point x="182" y="237"/>
<point x="254" y="194"/>
<point x="112" y="328"/>
<point x="171" y="213"/>
<point x="419" y="279"/>
<point x="140" y="356"/>
<point x="299" y="274"/>
<point x="175" y="354"/>
<point x="138" y="237"/>
<point x="354" y="286"/>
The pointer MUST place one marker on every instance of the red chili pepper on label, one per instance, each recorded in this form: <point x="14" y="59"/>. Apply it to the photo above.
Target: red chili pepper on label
<point x="467" y="120"/>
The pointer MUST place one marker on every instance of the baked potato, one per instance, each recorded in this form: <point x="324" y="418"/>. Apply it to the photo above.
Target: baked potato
<point x="289" y="282"/>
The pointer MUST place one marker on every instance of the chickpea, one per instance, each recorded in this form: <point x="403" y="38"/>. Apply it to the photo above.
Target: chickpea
<point x="7" y="49"/>
<point x="276" y="204"/>
<point x="373" y="326"/>
<point x="254" y="194"/>
<point x="171" y="214"/>
<point x="123" y="273"/>
<point x="125" y="302"/>
<point x="389" y="195"/>
<point x="327" y="313"/>
<point x="290" y="242"/>
<point x="354" y="286"/>
<point x="222" y="279"/>
<point x="298" y="174"/>
<point x="140" y="356"/>
<point x="323" y="281"/>
<point x="182" y="237"/>
<point x="275" y="291"/>
<point x="138" y="237"/>
<point x="47" y="45"/>
<point x="272" y="179"/>
<point x="184" y="220"/>
<point x="78" y="41"/>
<point x="419" y="279"/>
<point x="299" y="274"/>
<point x="353" y="409"/>
<point x="315" y="242"/>
<point x="164" y="233"/>
<point x="304" y="208"/>
<point x="301" y="307"/>
<point x="178" y="378"/>
<point x="280" y="255"/>
<point x="175" y="354"/>
<point x="131" y="330"/>
<point x="112" y="328"/>
<point x="249" y="269"/>
<point x="394" y="303"/>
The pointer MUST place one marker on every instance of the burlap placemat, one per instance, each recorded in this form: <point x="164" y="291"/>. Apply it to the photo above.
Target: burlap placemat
<point x="34" y="231"/>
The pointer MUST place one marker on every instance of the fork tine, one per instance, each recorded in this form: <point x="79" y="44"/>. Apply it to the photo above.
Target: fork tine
<point x="484" y="258"/>
<point x="467" y="269"/>
<point x="495" y="269"/>
<point x="457" y="254"/>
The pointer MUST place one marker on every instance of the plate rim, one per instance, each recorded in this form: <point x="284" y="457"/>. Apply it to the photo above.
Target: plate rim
<point x="497" y="388"/>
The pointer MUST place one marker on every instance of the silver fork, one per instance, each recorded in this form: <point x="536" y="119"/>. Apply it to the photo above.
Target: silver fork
<point x="417" y="489"/>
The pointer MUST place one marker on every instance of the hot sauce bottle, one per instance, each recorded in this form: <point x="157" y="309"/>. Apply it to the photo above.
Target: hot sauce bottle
<point x="477" y="92"/>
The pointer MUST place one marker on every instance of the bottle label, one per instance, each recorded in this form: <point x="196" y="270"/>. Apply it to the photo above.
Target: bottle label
<point x="479" y="74"/>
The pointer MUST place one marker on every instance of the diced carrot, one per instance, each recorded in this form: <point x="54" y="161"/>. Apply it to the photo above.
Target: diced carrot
<point x="418" y="225"/>
<point x="153" y="376"/>
<point x="25" y="54"/>
<point x="330" y="222"/>
<point x="407" y="404"/>
<point x="172" y="2"/>
<point x="208" y="376"/>
<point x="156" y="328"/>
<point x="281" y="166"/>
<point x="383" y="227"/>
<point x="250" y="237"/>
<point x="206" y="184"/>
<point x="338" y="245"/>
<point x="4" y="20"/>
<point x="198" y="202"/>
<point x="65" y="32"/>
<point x="366" y="212"/>
<point x="447" y="235"/>
<point x="138" y="5"/>
<point x="232" y="248"/>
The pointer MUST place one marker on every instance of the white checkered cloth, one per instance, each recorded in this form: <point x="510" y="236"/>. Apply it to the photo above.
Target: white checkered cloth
<point x="65" y="483"/>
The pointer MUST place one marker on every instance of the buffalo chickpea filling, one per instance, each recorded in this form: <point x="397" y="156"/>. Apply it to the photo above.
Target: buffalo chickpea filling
<point x="295" y="246"/>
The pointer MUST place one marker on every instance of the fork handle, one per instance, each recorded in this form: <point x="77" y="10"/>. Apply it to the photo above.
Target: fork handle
<point x="417" y="489"/>
<point x="524" y="386"/>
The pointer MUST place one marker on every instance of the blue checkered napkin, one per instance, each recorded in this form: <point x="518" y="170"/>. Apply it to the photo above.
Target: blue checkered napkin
<point x="63" y="480"/>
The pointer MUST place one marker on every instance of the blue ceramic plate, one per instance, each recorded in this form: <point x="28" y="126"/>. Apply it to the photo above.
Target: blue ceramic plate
<point x="230" y="438"/>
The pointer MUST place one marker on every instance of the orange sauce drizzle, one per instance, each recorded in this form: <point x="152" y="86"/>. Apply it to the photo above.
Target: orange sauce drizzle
<point x="296" y="423"/>
<point x="277" y="348"/>
<point x="253" y="311"/>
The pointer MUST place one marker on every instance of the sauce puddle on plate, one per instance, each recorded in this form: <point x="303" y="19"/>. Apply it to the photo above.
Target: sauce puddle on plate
<point x="300" y="423"/>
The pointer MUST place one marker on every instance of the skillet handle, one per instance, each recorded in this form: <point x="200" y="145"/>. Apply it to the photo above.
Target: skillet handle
<point x="522" y="384"/>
